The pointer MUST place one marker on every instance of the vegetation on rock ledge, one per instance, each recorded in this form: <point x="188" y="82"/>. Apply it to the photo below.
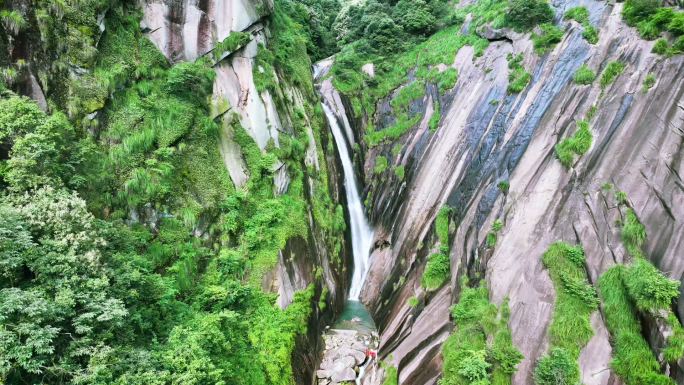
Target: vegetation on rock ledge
<point x="480" y="350"/>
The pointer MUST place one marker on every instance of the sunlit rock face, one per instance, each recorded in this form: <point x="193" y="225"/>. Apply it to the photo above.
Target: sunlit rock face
<point x="485" y="136"/>
<point x="187" y="29"/>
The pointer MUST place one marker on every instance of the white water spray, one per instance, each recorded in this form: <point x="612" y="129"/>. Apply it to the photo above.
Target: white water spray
<point x="362" y="235"/>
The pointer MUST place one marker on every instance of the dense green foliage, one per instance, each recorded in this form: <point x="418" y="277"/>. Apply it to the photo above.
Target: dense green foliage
<point x="633" y="232"/>
<point x="579" y="14"/>
<point x="517" y="77"/>
<point x="442" y="225"/>
<point x="590" y="34"/>
<point x="438" y="267"/>
<point x="648" y="288"/>
<point x="434" y="118"/>
<point x="399" y="172"/>
<point x="391" y="375"/>
<point x="380" y="164"/>
<point x="436" y="270"/>
<point x="550" y="35"/>
<point x="406" y="94"/>
<point x="570" y="328"/>
<point x="315" y="20"/>
<point x="127" y="256"/>
<point x="652" y="19"/>
<point x="578" y="144"/>
<point x="660" y="47"/>
<point x="396" y="149"/>
<point x="649" y="81"/>
<point x="445" y="79"/>
<point x="612" y="70"/>
<point x="584" y="75"/>
<point x="387" y="27"/>
<point x="555" y="368"/>
<point x="632" y="359"/>
<point x="524" y="15"/>
<point x="480" y="351"/>
<point x="628" y="291"/>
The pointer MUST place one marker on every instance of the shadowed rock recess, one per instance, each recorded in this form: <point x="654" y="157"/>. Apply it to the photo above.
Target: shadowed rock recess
<point x="522" y="180"/>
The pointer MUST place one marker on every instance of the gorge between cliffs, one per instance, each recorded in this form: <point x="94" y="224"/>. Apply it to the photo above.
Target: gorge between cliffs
<point x="378" y="192"/>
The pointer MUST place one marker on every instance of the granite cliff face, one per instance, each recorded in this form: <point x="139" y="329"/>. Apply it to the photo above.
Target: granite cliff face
<point x="485" y="136"/>
<point x="184" y="31"/>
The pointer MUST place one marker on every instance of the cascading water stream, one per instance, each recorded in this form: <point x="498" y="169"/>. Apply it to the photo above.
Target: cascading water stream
<point x="362" y="234"/>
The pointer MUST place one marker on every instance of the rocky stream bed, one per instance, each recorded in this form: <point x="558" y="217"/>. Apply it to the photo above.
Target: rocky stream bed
<point x="345" y="358"/>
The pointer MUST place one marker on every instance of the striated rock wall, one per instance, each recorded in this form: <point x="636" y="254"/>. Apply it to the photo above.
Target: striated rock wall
<point x="637" y="147"/>
<point x="186" y="30"/>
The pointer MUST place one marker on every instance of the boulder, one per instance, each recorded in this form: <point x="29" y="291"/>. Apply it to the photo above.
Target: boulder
<point x="369" y="68"/>
<point x="344" y="362"/>
<point x="345" y="374"/>
<point x="491" y="33"/>
<point x="359" y="347"/>
<point x="327" y="365"/>
<point x="343" y="352"/>
<point x="324" y="373"/>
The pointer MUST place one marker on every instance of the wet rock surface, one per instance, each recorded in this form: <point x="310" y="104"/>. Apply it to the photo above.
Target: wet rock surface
<point x="637" y="149"/>
<point x="344" y="357"/>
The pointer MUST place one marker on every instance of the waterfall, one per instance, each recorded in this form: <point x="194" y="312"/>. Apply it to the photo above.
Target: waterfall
<point x="362" y="235"/>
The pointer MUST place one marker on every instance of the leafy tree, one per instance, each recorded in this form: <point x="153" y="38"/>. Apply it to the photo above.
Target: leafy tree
<point x="414" y="16"/>
<point x="635" y="11"/>
<point x="40" y="145"/>
<point x="524" y="15"/>
<point x="557" y="368"/>
<point x="383" y="32"/>
<point x="63" y="307"/>
<point x="190" y="78"/>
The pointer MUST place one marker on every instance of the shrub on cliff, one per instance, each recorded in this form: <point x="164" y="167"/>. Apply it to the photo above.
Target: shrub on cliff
<point x="436" y="271"/>
<point x="579" y="14"/>
<point x="578" y="144"/>
<point x="584" y="75"/>
<point x="649" y="288"/>
<point x="190" y="78"/>
<point x="634" y="11"/>
<point x="380" y="164"/>
<point x="633" y="360"/>
<point x="399" y="172"/>
<point x="556" y="368"/>
<point x="590" y="34"/>
<point x="524" y="15"/>
<point x="612" y="70"/>
<point x="660" y="47"/>
<point x="480" y="350"/>
<point x="548" y="38"/>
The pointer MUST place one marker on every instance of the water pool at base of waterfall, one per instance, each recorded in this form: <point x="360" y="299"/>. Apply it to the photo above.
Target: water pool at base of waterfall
<point x="355" y="309"/>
